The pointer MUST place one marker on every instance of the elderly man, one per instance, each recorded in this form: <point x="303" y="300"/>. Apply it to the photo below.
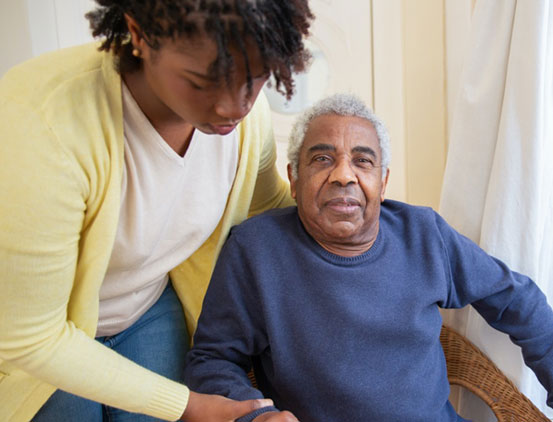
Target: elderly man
<point x="336" y="302"/>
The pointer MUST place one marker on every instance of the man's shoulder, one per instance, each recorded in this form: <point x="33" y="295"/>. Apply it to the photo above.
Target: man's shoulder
<point x="397" y="209"/>
<point x="412" y="220"/>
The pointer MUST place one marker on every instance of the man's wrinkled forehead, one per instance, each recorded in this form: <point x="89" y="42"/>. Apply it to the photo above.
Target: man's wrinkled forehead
<point x="330" y="147"/>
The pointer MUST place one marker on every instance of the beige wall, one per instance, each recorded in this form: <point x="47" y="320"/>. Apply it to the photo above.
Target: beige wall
<point x="419" y="48"/>
<point x="411" y="98"/>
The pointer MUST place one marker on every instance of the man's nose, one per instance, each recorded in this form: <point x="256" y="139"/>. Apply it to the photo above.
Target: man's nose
<point x="342" y="173"/>
<point x="233" y="105"/>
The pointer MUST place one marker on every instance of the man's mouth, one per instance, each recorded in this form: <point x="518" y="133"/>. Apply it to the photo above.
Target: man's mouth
<point x="343" y="205"/>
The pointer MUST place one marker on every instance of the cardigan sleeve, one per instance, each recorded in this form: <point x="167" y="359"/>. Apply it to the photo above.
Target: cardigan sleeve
<point x="271" y="190"/>
<point x="42" y="207"/>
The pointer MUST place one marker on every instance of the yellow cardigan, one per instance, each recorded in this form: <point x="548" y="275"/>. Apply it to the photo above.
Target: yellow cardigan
<point x="61" y="161"/>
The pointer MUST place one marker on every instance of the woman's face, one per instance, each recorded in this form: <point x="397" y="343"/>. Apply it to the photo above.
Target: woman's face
<point x="178" y="78"/>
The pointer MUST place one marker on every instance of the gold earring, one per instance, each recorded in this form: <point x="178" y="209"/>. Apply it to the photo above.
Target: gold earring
<point x="136" y="52"/>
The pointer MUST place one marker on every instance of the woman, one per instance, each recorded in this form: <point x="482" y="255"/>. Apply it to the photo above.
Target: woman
<point x="121" y="173"/>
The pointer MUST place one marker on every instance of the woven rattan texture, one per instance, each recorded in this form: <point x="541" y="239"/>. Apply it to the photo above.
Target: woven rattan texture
<point x="470" y="368"/>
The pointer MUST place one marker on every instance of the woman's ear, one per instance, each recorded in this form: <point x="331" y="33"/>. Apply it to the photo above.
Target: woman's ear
<point x="137" y="39"/>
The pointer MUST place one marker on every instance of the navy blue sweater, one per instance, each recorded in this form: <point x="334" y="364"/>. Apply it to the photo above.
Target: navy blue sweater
<point x="355" y="339"/>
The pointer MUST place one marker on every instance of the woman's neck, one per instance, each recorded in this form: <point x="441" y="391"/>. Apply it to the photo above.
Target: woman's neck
<point x="175" y="131"/>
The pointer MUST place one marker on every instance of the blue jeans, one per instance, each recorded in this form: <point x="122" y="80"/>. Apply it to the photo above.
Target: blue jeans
<point x="157" y="341"/>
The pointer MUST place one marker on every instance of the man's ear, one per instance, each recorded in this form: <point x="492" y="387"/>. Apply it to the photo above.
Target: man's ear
<point x="292" y="181"/>
<point x="384" y="184"/>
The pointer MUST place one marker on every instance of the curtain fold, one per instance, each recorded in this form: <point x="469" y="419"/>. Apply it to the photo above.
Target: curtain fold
<point x="498" y="182"/>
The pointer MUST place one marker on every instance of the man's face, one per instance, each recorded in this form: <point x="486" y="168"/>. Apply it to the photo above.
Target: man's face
<point x="340" y="186"/>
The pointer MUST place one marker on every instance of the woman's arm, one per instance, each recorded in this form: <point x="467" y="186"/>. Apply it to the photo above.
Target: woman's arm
<point x="43" y="203"/>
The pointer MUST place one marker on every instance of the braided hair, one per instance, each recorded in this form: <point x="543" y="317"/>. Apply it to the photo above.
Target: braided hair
<point x="277" y="27"/>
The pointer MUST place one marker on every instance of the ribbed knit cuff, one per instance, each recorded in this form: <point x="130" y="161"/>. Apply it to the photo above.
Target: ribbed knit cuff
<point x="251" y="416"/>
<point x="169" y="401"/>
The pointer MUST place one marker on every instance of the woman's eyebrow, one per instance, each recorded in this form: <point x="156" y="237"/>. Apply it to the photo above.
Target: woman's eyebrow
<point x="207" y="77"/>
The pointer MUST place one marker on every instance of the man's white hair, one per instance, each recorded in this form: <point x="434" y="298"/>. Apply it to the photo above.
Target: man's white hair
<point x="342" y="105"/>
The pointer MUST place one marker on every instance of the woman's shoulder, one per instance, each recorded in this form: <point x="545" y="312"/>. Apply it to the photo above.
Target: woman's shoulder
<point x="41" y="79"/>
<point x="66" y="102"/>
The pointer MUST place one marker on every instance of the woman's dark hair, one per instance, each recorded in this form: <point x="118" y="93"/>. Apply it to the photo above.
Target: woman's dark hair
<point x="276" y="26"/>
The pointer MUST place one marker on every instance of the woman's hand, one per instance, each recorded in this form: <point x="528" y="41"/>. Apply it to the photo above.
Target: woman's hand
<point x="213" y="408"/>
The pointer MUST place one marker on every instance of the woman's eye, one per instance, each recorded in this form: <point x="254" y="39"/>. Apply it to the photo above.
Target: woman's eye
<point x="200" y="87"/>
<point x="195" y="86"/>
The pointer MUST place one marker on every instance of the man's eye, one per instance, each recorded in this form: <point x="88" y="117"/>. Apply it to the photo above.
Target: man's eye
<point x="365" y="162"/>
<point x="321" y="158"/>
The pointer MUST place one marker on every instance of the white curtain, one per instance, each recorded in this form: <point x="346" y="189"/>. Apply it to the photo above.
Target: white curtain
<point x="498" y="183"/>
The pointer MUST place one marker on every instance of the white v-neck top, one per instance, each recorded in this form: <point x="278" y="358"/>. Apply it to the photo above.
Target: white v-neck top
<point x="169" y="206"/>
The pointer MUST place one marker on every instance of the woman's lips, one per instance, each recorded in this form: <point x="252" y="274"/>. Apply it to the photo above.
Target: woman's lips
<point x="222" y="129"/>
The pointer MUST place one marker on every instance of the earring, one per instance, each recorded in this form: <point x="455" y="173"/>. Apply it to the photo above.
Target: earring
<point x="136" y="52"/>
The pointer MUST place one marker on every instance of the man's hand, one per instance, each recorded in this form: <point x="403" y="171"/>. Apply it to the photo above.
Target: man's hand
<point x="283" y="416"/>
<point x="212" y="408"/>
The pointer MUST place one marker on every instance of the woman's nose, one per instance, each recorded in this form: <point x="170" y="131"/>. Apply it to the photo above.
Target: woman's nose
<point x="233" y="106"/>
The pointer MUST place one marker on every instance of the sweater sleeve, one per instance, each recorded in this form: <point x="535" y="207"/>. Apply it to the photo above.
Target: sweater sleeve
<point x="42" y="207"/>
<point x="230" y="330"/>
<point x="508" y="301"/>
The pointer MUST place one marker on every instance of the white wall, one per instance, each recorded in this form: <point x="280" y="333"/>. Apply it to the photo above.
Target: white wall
<point x="14" y="34"/>
<point x="343" y="36"/>
<point x="58" y="23"/>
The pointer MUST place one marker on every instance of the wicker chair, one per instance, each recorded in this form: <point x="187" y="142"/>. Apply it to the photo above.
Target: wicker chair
<point x="468" y="367"/>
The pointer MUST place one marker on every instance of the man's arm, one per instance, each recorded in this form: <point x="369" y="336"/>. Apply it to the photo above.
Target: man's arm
<point x="507" y="300"/>
<point x="230" y="330"/>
